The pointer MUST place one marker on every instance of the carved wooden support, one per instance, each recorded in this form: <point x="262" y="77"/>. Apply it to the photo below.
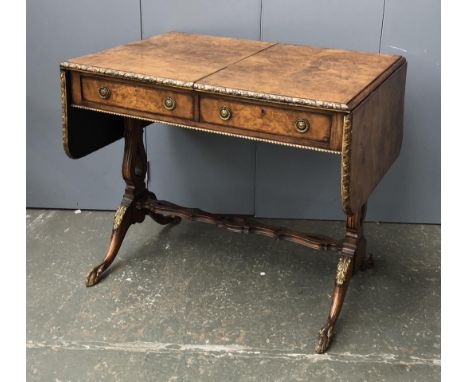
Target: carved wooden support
<point x="122" y="220"/>
<point x="353" y="258"/>
<point x="238" y="224"/>
<point x="355" y="244"/>
<point x="134" y="169"/>
<point x="138" y="202"/>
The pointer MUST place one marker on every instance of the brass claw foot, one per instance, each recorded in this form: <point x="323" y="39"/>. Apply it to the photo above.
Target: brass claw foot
<point x="95" y="275"/>
<point x="323" y="340"/>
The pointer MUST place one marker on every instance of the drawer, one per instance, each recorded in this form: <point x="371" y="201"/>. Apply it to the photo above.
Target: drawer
<point x="123" y="95"/>
<point x="294" y="123"/>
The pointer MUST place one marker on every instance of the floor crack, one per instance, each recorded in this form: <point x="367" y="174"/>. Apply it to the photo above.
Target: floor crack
<point x="222" y="351"/>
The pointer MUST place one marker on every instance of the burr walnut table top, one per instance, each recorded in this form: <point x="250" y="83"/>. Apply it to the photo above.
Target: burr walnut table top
<point x="315" y="76"/>
<point x="338" y="101"/>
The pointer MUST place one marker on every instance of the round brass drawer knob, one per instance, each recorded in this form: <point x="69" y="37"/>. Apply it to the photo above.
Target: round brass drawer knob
<point x="104" y="92"/>
<point x="169" y="103"/>
<point x="302" y="125"/>
<point x="225" y="113"/>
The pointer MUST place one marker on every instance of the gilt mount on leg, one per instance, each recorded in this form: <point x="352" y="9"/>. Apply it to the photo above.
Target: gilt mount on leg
<point x="122" y="221"/>
<point x="134" y="168"/>
<point x="343" y="274"/>
<point x="353" y="258"/>
<point x="133" y="172"/>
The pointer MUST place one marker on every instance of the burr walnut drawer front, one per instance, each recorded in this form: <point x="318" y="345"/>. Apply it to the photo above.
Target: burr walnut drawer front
<point x="138" y="97"/>
<point x="266" y="119"/>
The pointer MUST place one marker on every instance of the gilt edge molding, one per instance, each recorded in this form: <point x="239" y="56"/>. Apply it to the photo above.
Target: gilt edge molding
<point x="346" y="164"/>
<point x="318" y="104"/>
<point x="63" y="98"/>
<point x="326" y="105"/>
<point x="126" y="75"/>
<point x="247" y="137"/>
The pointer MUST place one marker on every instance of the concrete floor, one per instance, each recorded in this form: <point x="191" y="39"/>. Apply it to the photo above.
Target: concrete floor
<point x="196" y="303"/>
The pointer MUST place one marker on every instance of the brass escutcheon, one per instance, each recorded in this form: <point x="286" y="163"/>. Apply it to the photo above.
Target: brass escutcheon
<point x="302" y="125"/>
<point x="225" y="113"/>
<point x="169" y="103"/>
<point x="104" y="92"/>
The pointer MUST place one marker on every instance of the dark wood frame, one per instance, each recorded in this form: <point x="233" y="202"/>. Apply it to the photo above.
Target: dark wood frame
<point x="366" y="127"/>
<point x="138" y="202"/>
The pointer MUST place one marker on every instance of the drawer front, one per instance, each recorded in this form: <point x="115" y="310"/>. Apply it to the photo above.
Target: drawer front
<point x="136" y="97"/>
<point x="266" y="119"/>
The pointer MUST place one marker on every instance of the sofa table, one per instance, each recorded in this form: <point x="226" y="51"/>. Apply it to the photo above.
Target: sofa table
<point x="335" y="101"/>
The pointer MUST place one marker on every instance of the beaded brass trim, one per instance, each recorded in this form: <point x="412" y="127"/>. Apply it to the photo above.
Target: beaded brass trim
<point x="127" y="75"/>
<point x="327" y="105"/>
<point x="211" y="131"/>
<point x="119" y="214"/>
<point x="345" y="163"/>
<point x="342" y="269"/>
<point x="63" y="97"/>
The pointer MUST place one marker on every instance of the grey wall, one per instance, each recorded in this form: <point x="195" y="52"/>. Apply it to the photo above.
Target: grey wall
<point x="303" y="183"/>
<point x="414" y="31"/>
<point x="57" y="30"/>
<point x="230" y="175"/>
<point x="211" y="172"/>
